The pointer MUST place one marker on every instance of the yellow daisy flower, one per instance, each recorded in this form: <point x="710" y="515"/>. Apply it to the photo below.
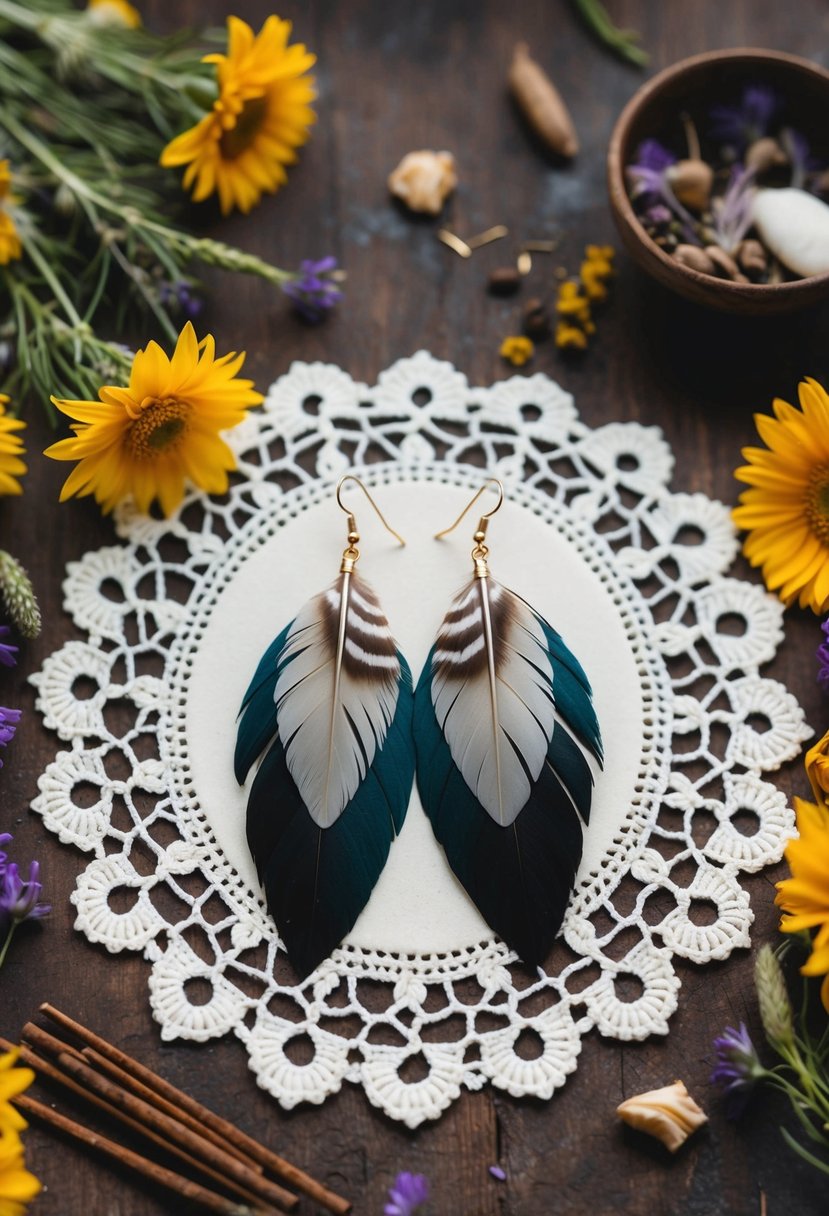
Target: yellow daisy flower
<point x="786" y="511"/>
<point x="804" y="897"/>
<point x="259" y="119"/>
<point x="17" y="1185"/>
<point x="11" y="449"/>
<point x="10" y="248"/>
<point x="147" y="439"/>
<point x="113" y="13"/>
<point x="13" y="1081"/>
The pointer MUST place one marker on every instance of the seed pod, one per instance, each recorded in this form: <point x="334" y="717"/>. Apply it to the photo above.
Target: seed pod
<point x="541" y="103"/>
<point x="724" y="264"/>
<point x="752" y="258"/>
<point x="691" y="182"/>
<point x="694" y="258"/>
<point x="536" y="320"/>
<point x="504" y="281"/>
<point x="765" y="154"/>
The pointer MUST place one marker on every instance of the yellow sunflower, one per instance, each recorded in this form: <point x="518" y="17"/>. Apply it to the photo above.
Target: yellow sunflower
<point x="13" y="1081"/>
<point x="786" y="511"/>
<point x="17" y="1185"/>
<point x="147" y="439"/>
<point x="259" y="119"/>
<point x="10" y="247"/>
<point x="11" y="449"/>
<point x="804" y="897"/>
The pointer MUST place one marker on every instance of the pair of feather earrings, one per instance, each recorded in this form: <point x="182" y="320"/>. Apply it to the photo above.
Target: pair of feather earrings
<point x="497" y="732"/>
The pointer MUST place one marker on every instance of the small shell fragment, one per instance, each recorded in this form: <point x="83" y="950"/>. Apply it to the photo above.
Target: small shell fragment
<point x="424" y="180"/>
<point x="670" y="1114"/>
<point x="794" y="226"/>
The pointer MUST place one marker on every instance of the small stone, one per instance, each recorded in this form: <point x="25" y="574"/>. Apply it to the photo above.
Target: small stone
<point x="724" y="264"/>
<point x="504" y="281"/>
<point x="694" y="258"/>
<point x="752" y="258"/>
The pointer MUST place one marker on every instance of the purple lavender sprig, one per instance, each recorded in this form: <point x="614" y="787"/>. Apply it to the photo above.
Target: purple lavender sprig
<point x="738" y="1068"/>
<point x="407" y="1194"/>
<point x="19" y="898"/>
<point x="8" y="652"/>
<point x="647" y="178"/>
<point x="314" y="291"/>
<point x="733" y="212"/>
<point x="742" y="124"/>
<point x="9" y="719"/>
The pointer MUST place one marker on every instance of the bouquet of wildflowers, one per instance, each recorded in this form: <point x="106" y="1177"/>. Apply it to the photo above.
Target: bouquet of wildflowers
<point x="98" y="119"/>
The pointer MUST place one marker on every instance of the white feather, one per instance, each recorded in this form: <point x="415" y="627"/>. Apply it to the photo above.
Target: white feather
<point x="498" y="724"/>
<point x="330" y="723"/>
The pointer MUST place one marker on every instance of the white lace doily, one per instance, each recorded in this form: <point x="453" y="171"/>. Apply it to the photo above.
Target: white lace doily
<point x="421" y="1000"/>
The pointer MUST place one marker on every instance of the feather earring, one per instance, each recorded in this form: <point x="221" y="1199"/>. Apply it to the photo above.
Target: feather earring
<point x="330" y="706"/>
<point x="504" y="722"/>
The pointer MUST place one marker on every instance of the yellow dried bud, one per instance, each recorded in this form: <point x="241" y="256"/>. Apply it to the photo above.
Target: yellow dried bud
<point x="670" y="1114"/>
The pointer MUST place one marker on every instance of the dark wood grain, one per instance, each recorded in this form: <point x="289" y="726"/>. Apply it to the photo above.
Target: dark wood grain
<point x="396" y="76"/>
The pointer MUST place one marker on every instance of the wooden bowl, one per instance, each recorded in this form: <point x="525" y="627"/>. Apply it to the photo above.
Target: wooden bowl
<point x="693" y="85"/>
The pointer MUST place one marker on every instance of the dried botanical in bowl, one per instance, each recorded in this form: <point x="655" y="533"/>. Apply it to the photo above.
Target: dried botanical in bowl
<point x="745" y="200"/>
<point x="718" y="180"/>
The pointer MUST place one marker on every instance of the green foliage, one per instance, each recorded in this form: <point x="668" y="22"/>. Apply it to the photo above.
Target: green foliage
<point x="85" y="111"/>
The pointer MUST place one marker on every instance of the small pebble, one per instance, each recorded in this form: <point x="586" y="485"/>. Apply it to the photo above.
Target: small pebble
<point x="504" y="281"/>
<point x="536" y="320"/>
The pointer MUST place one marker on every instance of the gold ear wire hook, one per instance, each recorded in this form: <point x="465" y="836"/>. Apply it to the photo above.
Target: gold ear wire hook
<point x="351" y="552"/>
<point x="479" y="553"/>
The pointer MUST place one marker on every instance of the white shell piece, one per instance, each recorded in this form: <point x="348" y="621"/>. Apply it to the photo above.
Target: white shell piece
<point x="794" y="225"/>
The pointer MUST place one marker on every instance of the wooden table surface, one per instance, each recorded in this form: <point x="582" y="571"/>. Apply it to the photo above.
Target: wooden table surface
<point x="395" y="76"/>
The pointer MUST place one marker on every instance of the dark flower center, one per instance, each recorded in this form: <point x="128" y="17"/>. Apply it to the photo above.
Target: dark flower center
<point x="158" y="429"/>
<point x="234" y="142"/>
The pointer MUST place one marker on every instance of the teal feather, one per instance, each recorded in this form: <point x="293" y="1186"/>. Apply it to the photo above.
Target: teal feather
<point x="318" y="880"/>
<point x="257" y="724"/>
<point x="520" y="873"/>
<point x="318" y="871"/>
<point x="572" y="692"/>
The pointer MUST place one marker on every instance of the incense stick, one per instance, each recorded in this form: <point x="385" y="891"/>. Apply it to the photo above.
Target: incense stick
<point x="149" y="1116"/>
<point x="44" y="1068"/>
<point x="250" y="1147"/>
<point x="175" y="1183"/>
